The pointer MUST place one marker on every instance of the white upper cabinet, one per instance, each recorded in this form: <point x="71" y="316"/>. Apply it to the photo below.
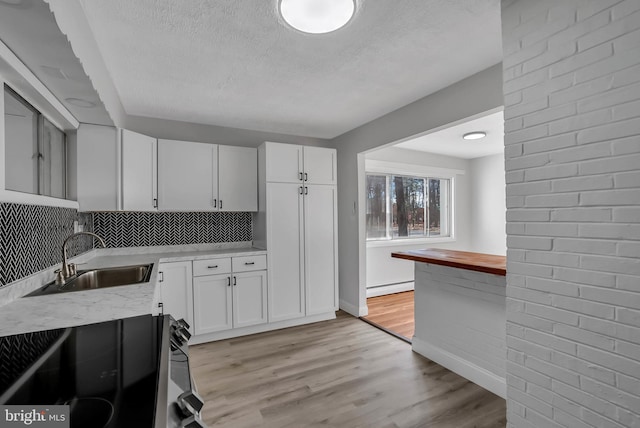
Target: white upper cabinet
<point x="284" y="163"/>
<point x="290" y="163"/>
<point x="237" y="178"/>
<point x="319" y="165"/>
<point x="98" y="167"/>
<point x="139" y="172"/>
<point x="187" y="178"/>
<point x="124" y="170"/>
<point x="206" y="177"/>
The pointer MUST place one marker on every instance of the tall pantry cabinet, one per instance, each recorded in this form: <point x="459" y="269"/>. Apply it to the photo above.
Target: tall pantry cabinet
<point x="297" y="223"/>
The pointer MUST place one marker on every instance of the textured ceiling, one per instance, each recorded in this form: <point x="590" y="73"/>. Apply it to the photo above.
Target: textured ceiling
<point x="29" y="29"/>
<point x="235" y="63"/>
<point x="449" y="141"/>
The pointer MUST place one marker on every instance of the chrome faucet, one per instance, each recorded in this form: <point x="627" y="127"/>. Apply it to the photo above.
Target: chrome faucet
<point x="69" y="269"/>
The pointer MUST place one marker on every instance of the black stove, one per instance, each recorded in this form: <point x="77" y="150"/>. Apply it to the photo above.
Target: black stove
<point x="121" y="373"/>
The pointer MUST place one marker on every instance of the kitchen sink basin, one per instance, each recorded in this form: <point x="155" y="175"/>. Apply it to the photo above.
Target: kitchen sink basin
<point x="99" y="278"/>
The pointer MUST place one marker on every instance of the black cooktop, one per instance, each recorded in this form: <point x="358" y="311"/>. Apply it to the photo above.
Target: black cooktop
<point x="107" y="372"/>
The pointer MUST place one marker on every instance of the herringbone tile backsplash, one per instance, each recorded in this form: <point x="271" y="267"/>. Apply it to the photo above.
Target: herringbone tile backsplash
<point x="141" y="229"/>
<point x="31" y="238"/>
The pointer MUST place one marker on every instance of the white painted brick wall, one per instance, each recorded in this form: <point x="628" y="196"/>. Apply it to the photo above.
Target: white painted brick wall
<point x="572" y="160"/>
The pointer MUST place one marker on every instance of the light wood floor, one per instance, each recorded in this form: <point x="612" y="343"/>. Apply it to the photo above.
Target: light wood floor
<point x="338" y="373"/>
<point x="393" y="312"/>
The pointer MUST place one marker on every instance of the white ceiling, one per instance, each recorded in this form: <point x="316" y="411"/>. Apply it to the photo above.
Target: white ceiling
<point x="29" y="29"/>
<point x="236" y="64"/>
<point x="449" y="141"/>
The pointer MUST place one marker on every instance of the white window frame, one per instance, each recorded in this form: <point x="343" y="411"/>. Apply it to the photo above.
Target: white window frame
<point x="373" y="167"/>
<point x="14" y="73"/>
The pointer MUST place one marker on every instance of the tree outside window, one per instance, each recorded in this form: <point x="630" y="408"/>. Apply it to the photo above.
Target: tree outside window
<point x="406" y="207"/>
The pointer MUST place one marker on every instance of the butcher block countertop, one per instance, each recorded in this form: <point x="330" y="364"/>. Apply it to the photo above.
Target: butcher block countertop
<point x="489" y="263"/>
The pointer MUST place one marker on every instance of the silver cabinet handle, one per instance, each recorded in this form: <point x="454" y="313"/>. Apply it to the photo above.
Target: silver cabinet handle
<point x="212" y="267"/>
<point x="155" y="202"/>
<point x="220" y="203"/>
<point x="306" y="190"/>
<point x="161" y="276"/>
<point x="300" y="176"/>
<point x="250" y="263"/>
<point x="228" y="281"/>
<point x="301" y="190"/>
<point x="235" y="281"/>
<point x="215" y="203"/>
<point x="306" y="177"/>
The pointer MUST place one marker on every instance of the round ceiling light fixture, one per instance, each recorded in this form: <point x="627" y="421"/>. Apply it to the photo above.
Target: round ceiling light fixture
<point x="317" y="16"/>
<point x="475" y="135"/>
<point x="79" y="102"/>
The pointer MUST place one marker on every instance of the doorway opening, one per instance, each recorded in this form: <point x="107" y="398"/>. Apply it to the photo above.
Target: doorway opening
<point x="433" y="191"/>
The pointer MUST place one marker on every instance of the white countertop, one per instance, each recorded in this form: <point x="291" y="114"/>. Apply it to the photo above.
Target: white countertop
<point x="21" y="315"/>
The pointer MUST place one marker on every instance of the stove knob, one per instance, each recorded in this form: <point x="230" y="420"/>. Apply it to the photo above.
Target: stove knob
<point x="182" y="323"/>
<point x="174" y="344"/>
<point x="180" y="335"/>
<point x="191" y="402"/>
<point x="192" y="422"/>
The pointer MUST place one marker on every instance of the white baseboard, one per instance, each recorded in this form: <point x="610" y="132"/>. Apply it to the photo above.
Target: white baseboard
<point x="261" y="328"/>
<point x="356" y="311"/>
<point x="389" y="289"/>
<point x="464" y="368"/>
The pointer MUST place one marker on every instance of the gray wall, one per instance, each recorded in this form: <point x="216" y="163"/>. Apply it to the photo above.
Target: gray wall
<point x="479" y="93"/>
<point x="572" y="111"/>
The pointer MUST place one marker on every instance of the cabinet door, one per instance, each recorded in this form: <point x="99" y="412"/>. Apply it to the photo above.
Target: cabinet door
<point x="319" y="165"/>
<point x="285" y="243"/>
<point x="320" y="237"/>
<point x="97" y="174"/>
<point x="187" y="176"/>
<point x="139" y="172"/>
<point x="238" y="178"/>
<point x="212" y="303"/>
<point x="284" y="163"/>
<point x="249" y="298"/>
<point x="176" y="289"/>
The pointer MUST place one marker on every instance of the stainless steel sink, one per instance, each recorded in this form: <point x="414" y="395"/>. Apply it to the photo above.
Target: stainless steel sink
<point x="99" y="278"/>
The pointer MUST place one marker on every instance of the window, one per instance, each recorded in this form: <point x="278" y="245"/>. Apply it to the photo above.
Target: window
<point x="35" y="150"/>
<point x="404" y="207"/>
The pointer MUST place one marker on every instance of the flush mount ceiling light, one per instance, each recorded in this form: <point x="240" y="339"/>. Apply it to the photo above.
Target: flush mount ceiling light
<point x="317" y="16"/>
<point x="475" y="135"/>
<point x="79" y="102"/>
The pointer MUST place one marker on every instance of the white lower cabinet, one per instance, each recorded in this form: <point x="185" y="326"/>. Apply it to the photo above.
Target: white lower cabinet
<point x="302" y="238"/>
<point x="227" y="296"/>
<point x="175" y="280"/>
<point x="212" y="298"/>
<point x="249" y="298"/>
<point x="320" y="254"/>
<point x="230" y="300"/>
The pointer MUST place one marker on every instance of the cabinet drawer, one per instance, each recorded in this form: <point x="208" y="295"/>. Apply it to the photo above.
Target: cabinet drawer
<point x="211" y="266"/>
<point x="248" y="263"/>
